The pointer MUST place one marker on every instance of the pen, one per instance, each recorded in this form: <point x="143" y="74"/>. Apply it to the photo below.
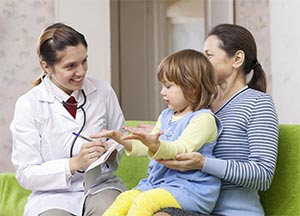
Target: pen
<point x="83" y="137"/>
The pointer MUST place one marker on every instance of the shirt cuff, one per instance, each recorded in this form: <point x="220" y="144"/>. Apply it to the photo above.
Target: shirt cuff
<point x="68" y="172"/>
<point x="215" y="167"/>
<point x="137" y="149"/>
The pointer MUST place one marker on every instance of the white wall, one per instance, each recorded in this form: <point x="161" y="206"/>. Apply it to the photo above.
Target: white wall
<point x="285" y="54"/>
<point x="92" y="18"/>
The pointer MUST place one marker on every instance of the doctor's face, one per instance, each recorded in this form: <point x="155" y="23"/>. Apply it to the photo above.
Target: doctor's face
<point x="69" y="71"/>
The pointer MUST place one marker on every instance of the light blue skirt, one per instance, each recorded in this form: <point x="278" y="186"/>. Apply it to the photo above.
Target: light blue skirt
<point x="238" y="202"/>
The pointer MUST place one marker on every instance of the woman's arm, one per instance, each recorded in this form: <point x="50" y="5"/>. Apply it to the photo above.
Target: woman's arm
<point x="185" y="162"/>
<point x="262" y="132"/>
<point x="255" y="173"/>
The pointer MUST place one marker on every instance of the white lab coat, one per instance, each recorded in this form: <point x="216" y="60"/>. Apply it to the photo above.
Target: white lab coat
<point x="42" y="136"/>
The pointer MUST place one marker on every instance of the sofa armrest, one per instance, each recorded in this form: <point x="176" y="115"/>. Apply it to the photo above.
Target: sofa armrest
<point x="12" y="196"/>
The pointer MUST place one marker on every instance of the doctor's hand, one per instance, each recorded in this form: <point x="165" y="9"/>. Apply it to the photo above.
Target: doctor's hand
<point x="89" y="153"/>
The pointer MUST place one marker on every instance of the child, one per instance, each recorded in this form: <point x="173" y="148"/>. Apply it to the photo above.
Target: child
<point x="188" y="88"/>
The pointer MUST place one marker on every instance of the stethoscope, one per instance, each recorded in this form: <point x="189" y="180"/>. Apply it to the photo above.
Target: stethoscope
<point x="84" y="119"/>
<point x="70" y="107"/>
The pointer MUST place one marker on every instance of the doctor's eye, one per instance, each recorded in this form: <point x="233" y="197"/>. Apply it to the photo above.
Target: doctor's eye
<point x="84" y="61"/>
<point x="70" y="66"/>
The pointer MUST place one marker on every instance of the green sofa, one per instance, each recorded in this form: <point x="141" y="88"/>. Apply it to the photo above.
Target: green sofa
<point x="283" y="198"/>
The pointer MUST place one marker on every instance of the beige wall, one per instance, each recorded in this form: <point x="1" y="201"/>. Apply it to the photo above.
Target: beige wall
<point x="91" y="18"/>
<point x="21" y="22"/>
<point x="255" y="16"/>
<point x="275" y="26"/>
<point x="285" y="53"/>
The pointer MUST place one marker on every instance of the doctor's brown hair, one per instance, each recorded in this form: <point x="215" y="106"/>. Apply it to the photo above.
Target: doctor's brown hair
<point x="55" y="38"/>
<point x="193" y="72"/>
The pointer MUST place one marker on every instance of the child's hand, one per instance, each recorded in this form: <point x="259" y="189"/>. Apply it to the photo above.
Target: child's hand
<point x="145" y="127"/>
<point x="115" y="135"/>
<point x="112" y="134"/>
<point x="148" y="139"/>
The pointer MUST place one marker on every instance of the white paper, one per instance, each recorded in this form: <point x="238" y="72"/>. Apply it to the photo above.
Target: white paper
<point x="103" y="157"/>
<point x="96" y="171"/>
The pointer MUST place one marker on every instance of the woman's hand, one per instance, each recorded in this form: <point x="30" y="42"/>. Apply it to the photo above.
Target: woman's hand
<point x="89" y="153"/>
<point x="185" y="162"/>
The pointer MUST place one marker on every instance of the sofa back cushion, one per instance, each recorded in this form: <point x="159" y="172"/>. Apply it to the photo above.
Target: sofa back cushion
<point x="283" y="197"/>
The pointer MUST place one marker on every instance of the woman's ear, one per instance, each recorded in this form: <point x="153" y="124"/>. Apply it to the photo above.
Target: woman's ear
<point x="45" y="67"/>
<point x="239" y="59"/>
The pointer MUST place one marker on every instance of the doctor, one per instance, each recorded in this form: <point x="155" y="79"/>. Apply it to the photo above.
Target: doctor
<point x="48" y="158"/>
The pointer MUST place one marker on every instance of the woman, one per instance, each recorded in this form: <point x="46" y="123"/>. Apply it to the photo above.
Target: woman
<point x="246" y="150"/>
<point x="48" y="158"/>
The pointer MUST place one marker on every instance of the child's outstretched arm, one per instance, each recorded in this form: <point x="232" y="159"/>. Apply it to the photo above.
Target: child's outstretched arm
<point x="148" y="139"/>
<point x="115" y="135"/>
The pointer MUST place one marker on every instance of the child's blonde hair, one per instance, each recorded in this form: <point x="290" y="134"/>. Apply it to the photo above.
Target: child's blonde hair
<point x="193" y="72"/>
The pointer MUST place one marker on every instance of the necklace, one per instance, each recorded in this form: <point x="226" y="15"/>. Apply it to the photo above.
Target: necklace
<point x="168" y="133"/>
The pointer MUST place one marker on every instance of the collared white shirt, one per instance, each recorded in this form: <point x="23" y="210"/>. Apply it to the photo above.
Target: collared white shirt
<point x="57" y="92"/>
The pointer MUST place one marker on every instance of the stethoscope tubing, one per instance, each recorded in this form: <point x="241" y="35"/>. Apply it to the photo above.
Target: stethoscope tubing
<point x="84" y="119"/>
<point x="83" y="123"/>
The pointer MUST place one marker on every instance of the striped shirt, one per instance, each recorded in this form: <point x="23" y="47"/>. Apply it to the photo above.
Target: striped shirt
<point x="246" y="150"/>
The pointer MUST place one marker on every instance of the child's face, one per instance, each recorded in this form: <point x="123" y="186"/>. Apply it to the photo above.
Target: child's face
<point x="174" y="97"/>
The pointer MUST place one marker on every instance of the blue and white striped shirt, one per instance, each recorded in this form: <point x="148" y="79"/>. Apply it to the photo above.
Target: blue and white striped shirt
<point x="246" y="150"/>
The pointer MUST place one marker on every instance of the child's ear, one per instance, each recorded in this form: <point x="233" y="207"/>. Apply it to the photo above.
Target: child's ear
<point x="239" y="58"/>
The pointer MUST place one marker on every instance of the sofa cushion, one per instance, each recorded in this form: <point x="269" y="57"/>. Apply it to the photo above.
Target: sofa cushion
<point x="283" y="197"/>
<point x="12" y="196"/>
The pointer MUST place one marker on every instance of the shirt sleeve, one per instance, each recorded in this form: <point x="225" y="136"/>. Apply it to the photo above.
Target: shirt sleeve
<point x="31" y="171"/>
<point x="138" y="148"/>
<point x="201" y="129"/>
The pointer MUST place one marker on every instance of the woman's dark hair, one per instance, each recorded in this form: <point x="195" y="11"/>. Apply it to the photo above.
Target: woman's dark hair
<point x="234" y="38"/>
<point x="56" y="38"/>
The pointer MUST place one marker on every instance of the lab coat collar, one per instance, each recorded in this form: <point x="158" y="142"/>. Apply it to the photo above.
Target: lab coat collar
<point x="46" y="94"/>
<point x="48" y="91"/>
<point x="88" y="86"/>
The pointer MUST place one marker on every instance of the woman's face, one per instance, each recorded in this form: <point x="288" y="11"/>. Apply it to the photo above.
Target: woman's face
<point x="221" y="62"/>
<point x="68" y="74"/>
